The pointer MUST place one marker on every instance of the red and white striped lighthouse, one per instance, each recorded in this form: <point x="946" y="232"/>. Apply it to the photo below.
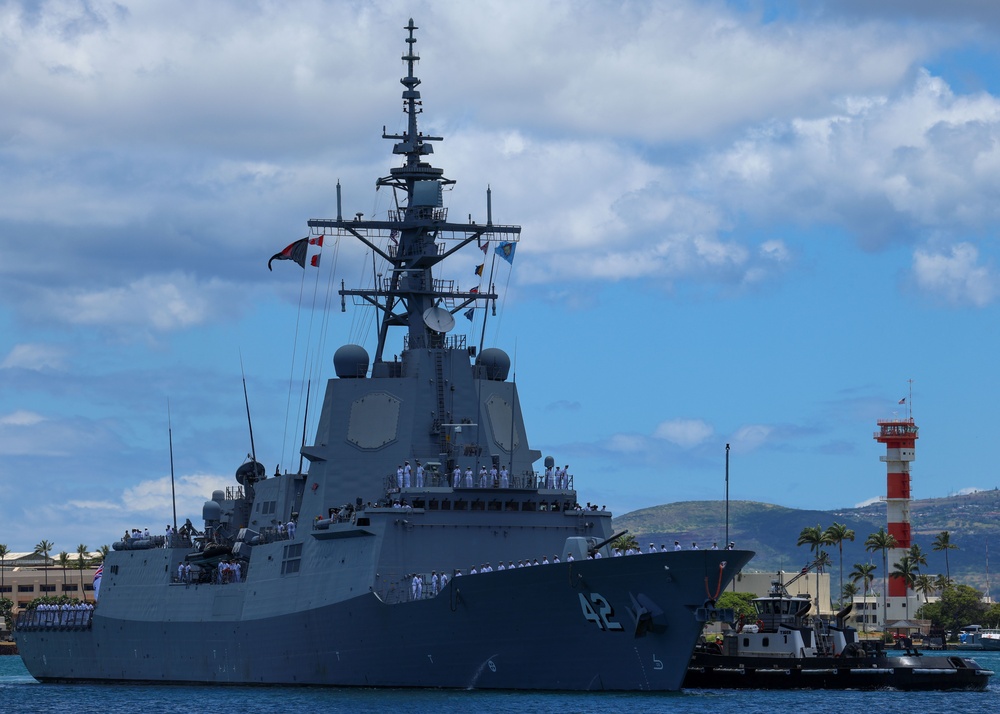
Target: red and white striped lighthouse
<point x="900" y="439"/>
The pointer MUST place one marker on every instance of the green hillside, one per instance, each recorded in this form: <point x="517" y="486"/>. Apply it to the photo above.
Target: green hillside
<point x="973" y="521"/>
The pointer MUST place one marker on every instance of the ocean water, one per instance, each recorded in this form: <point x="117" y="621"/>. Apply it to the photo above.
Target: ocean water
<point x="20" y="693"/>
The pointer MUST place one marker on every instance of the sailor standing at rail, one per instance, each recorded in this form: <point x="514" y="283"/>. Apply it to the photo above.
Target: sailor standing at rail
<point x="406" y="474"/>
<point x="504" y="478"/>
<point x="457" y="476"/>
<point x="420" y="475"/>
<point x="468" y="477"/>
<point x="399" y="476"/>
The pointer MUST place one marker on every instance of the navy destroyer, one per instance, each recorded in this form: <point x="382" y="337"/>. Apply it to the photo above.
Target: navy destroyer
<point x="421" y="499"/>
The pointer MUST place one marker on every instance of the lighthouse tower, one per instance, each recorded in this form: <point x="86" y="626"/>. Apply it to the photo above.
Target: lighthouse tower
<point x="899" y="437"/>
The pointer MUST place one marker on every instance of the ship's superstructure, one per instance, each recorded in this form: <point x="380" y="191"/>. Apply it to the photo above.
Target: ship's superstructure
<point x="422" y="547"/>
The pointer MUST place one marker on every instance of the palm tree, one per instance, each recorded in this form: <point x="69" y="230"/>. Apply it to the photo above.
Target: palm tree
<point x="625" y="542"/>
<point x="3" y="557"/>
<point x="943" y="542"/>
<point x="64" y="563"/>
<point x="81" y="563"/>
<point x="837" y="534"/>
<point x="941" y="582"/>
<point x="924" y="584"/>
<point x="848" y="593"/>
<point x="104" y="550"/>
<point x="906" y="570"/>
<point x="43" y="549"/>
<point x="815" y="538"/>
<point x="917" y="556"/>
<point x="865" y="573"/>
<point x="882" y="541"/>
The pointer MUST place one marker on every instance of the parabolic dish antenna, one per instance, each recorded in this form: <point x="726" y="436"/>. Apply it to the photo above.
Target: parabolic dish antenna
<point x="439" y="319"/>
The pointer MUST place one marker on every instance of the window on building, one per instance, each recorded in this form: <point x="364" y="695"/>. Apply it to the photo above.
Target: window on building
<point x="26" y="588"/>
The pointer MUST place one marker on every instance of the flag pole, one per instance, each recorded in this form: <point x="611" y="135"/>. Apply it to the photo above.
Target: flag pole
<point x="482" y="334"/>
<point x="727" y="495"/>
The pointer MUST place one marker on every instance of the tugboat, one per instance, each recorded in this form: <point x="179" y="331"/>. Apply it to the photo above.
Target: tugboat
<point x="414" y="551"/>
<point x="781" y="649"/>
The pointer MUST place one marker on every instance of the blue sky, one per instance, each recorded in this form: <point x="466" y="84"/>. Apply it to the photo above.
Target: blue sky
<point x="747" y="223"/>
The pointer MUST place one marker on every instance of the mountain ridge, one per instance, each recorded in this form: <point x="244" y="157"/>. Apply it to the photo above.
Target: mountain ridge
<point x="972" y="520"/>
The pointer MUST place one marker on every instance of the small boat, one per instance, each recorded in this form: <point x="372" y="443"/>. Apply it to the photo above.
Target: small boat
<point x="977" y="637"/>
<point x="783" y="649"/>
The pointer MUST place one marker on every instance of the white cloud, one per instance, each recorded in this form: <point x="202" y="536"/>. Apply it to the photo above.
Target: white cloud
<point x="627" y="443"/>
<point x="751" y="436"/>
<point x="157" y="302"/>
<point x="154" y="496"/>
<point x="21" y="418"/>
<point x="955" y="275"/>
<point x="35" y="357"/>
<point x="684" y="432"/>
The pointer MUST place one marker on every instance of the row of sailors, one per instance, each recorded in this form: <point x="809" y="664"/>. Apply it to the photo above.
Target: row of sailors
<point x="50" y="615"/>
<point x="527" y="563"/>
<point x="493" y="478"/>
<point x="487" y="479"/>
<point x="437" y="584"/>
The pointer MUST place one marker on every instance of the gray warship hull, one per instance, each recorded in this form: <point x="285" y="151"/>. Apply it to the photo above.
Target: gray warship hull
<point x="526" y="628"/>
<point x="327" y="577"/>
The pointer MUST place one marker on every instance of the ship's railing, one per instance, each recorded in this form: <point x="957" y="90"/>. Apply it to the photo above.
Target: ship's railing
<point x="76" y="617"/>
<point x="419" y="213"/>
<point x="415" y="250"/>
<point x="455" y="342"/>
<point x="528" y="480"/>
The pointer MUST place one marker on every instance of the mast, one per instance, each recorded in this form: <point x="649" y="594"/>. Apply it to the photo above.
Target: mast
<point x="409" y="296"/>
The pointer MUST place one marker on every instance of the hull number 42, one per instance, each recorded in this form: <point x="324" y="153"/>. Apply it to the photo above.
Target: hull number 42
<point x="599" y="611"/>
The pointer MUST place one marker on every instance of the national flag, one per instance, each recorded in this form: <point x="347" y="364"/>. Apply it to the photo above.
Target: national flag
<point x="296" y="251"/>
<point x="479" y="269"/>
<point x="318" y="240"/>
<point x="314" y="261"/>
<point x="469" y="313"/>
<point x="903" y="400"/>
<point x="97" y="580"/>
<point x="392" y="236"/>
<point x="485" y="247"/>
<point x="474" y="290"/>
<point x="506" y="251"/>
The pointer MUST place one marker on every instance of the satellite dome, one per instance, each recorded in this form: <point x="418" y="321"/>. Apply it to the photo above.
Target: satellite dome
<point x="549" y="462"/>
<point x="351" y="362"/>
<point x="496" y="362"/>
<point x="211" y="512"/>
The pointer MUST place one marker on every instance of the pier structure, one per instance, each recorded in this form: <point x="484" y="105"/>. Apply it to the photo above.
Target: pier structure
<point x="900" y="437"/>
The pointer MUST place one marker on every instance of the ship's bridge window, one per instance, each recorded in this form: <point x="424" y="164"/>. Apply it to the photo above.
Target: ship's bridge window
<point x="511" y="505"/>
<point x="446" y="505"/>
<point x="528" y="506"/>
<point x="478" y="505"/>
<point x="495" y="505"/>
<point x="432" y="504"/>
<point x="461" y="505"/>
